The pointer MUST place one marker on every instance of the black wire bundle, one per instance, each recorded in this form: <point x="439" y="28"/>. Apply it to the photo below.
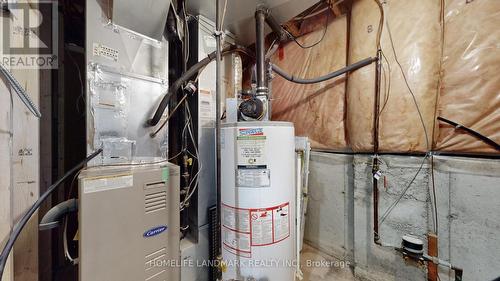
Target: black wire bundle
<point x="16" y="231"/>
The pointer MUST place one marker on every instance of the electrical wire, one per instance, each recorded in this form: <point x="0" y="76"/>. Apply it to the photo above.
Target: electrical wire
<point x="313" y="12"/>
<point x="186" y="34"/>
<point x="387" y="85"/>
<point x="380" y="24"/>
<point x="393" y="205"/>
<point x="20" y="91"/>
<point x="383" y="20"/>
<point x="185" y="144"/>
<point x="325" y="29"/>
<point x="175" y="156"/>
<point x="193" y="70"/>
<point x="377" y="83"/>
<point x="183" y="99"/>
<point x="433" y="183"/>
<point x="223" y="15"/>
<point x="409" y="88"/>
<point x="268" y="52"/>
<point x="377" y="109"/>
<point x="82" y="86"/>
<point x="67" y="254"/>
<point x="210" y="30"/>
<point x="195" y="178"/>
<point x="16" y="231"/>
<point x="185" y="150"/>
<point x="197" y="157"/>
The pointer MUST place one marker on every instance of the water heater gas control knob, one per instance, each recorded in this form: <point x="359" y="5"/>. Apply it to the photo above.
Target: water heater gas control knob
<point x="252" y="108"/>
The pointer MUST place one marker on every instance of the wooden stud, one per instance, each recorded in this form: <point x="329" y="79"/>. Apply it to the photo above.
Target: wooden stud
<point x="293" y="28"/>
<point x="335" y="7"/>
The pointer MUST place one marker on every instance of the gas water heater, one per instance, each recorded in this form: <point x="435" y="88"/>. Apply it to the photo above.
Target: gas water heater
<point x="258" y="200"/>
<point x="258" y="193"/>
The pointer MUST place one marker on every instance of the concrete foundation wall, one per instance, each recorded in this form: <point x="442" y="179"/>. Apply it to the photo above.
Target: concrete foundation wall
<point x="330" y="210"/>
<point x="408" y="217"/>
<point x="340" y="214"/>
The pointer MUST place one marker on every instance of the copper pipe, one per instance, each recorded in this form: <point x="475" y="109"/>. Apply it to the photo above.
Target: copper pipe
<point x="375" y="167"/>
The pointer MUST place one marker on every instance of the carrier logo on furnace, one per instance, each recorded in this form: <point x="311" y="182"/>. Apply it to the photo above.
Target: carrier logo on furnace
<point x="155" y="231"/>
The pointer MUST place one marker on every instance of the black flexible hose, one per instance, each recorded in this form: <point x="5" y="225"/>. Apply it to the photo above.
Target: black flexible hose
<point x="184" y="78"/>
<point x="52" y="218"/>
<point x="478" y="135"/>
<point x="334" y="74"/>
<point x="24" y="220"/>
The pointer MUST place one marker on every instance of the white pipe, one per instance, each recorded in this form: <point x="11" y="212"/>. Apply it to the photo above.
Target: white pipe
<point x="298" y="213"/>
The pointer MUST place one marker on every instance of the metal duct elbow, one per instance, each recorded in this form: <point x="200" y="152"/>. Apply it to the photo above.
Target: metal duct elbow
<point x="52" y="218"/>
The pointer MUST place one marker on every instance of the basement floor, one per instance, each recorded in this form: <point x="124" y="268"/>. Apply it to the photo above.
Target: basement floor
<point x="319" y="266"/>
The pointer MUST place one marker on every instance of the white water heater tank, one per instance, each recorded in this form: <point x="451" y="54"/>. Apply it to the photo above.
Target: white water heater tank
<point x="258" y="201"/>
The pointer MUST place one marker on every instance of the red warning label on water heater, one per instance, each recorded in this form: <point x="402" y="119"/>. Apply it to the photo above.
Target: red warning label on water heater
<point x="270" y="225"/>
<point x="236" y="235"/>
<point x="243" y="229"/>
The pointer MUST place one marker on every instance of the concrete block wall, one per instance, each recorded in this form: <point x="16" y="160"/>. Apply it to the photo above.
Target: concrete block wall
<point x="340" y="214"/>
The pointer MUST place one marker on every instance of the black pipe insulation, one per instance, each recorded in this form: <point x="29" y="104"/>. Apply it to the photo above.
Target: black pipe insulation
<point x="25" y="218"/>
<point x="52" y="218"/>
<point x="184" y="78"/>
<point x="349" y="68"/>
